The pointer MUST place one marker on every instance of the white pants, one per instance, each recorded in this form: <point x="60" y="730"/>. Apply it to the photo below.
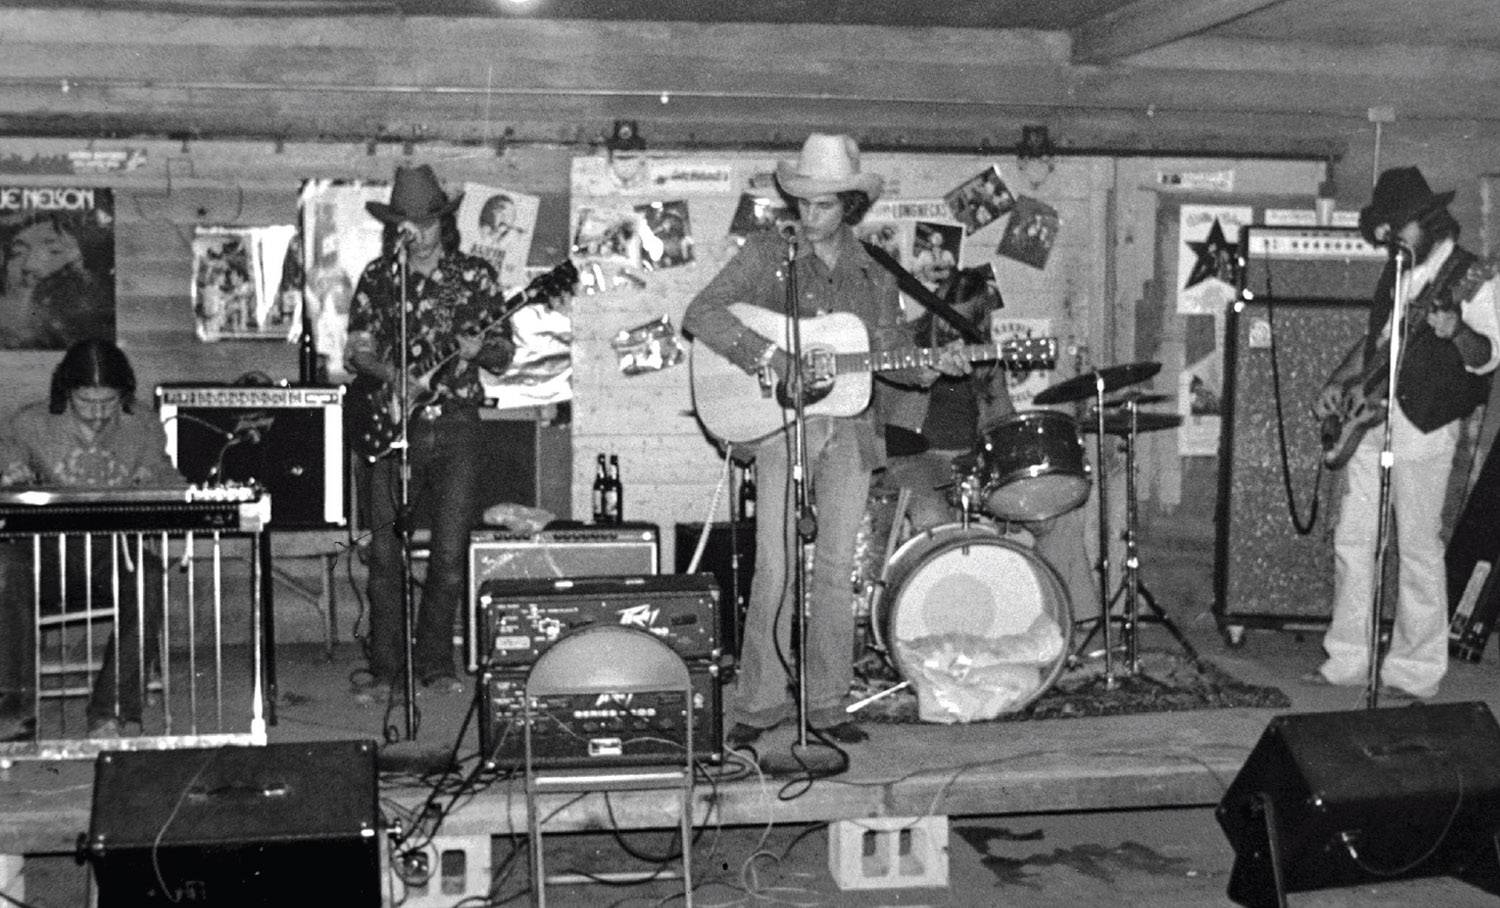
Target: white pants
<point x="1418" y="654"/>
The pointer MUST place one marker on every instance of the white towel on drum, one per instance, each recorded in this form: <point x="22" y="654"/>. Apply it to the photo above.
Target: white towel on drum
<point x="967" y="678"/>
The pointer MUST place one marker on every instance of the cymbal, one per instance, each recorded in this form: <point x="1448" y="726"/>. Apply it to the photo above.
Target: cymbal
<point x="1138" y="397"/>
<point x="1118" y="423"/>
<point x="1083" y="386"/>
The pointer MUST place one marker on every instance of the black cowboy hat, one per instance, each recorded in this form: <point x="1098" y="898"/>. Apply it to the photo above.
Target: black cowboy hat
<point x="415" y="196"/>
<point x="1401" y="196"/>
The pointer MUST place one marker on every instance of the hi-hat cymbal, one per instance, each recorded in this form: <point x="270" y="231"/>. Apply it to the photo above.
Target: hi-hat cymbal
<point x="1086" y="385"/>
<point x="1118" y="423"/>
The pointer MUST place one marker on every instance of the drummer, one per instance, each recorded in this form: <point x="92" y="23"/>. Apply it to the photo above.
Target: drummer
<point x="926" y="430"/>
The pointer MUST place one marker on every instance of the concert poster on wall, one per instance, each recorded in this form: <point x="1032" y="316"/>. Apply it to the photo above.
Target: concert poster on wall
<point x="57" y="266"/>
<point x="755" y="213"/>
<point x="234" y="288"/>
<point x="980" y="200"/>
<point x="339" y="238"/>
<point x="497" y="225"/>
<point x="666" y="233"/>
<point x="1030" y="233"/>
<point x="936" y="250"/>
<point x="1207" y="249"/>
<point x="1023" y="384"/>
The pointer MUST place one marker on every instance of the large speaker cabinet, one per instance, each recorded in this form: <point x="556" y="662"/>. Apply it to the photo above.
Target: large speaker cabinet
<point x="282" y="824"/>
<point x="1366" y="796"/>
<point x="1280" y="347"/>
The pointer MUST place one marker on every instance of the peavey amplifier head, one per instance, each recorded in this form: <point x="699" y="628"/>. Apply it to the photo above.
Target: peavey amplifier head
<point x="603" y="728"/>
<point x="289" y="441"/>
<point x="520" y="619"/>
<point x="630" y="549"/>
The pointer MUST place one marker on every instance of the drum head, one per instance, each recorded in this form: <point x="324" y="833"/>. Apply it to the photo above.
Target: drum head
<point x="979" y="624"/>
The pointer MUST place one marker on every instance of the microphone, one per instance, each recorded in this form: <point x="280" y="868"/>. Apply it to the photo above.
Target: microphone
<point x="791" y="231"/>
<point x="406" y="234"/>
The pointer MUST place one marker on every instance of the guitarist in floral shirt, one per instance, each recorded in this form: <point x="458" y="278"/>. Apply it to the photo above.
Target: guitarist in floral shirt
<point x="450" y="299"/>
<point x="1451" y="342"/>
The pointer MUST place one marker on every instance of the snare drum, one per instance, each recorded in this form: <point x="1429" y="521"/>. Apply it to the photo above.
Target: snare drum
<point x="1033" y="467"/>
<point x="980" y="625"/>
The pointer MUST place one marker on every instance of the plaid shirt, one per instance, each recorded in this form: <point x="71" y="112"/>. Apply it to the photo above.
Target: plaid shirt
<point x="457" y="297"/>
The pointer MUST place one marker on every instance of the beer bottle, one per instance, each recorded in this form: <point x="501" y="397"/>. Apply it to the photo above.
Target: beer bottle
<point x="601" y="484"/>
<point x="614" y="493"/>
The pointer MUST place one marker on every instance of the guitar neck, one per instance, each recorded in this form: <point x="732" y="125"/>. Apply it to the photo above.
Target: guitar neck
<point x="916" y="357"/>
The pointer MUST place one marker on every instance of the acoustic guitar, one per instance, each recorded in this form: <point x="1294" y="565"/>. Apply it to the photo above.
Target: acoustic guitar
<point x="738" y="408"/>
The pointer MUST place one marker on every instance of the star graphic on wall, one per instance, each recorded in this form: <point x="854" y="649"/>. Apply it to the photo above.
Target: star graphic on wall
<point x="1217" y="258"/>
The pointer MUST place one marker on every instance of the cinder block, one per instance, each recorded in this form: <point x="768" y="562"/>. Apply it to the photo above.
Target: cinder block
<point x="889" y="852"/>
<point x="458" y="868"/>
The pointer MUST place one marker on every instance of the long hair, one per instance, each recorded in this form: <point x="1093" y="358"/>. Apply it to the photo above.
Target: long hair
<point x="92" y="363"/>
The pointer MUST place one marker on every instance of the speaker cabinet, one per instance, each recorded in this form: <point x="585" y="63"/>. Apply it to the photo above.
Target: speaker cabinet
<point x="1473" y="582"/>
<point x="729" y="555"/>
<point x="283" y="824"/>
<point x="1337" y="799"/>
<point x="1267" y="574"/>
<point x="288" y="440"/>
<point x="1308" y="295"/>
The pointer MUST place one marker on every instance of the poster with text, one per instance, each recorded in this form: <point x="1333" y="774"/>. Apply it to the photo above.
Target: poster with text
<point x="57" y="266"/>
<point x="1200" y="389"/>
<point x="1024" y="384"/>
<point x="1207" y="251"/>
<point x="497" y="225"/>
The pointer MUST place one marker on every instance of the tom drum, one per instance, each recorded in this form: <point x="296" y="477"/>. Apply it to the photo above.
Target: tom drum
<point x="1033" y="467"/>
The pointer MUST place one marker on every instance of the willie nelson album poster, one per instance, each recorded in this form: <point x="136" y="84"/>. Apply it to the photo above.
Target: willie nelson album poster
<point x="57" y="266"/>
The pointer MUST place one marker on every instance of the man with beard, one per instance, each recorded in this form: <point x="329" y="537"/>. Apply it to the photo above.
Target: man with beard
<point x="1451" y="341"/>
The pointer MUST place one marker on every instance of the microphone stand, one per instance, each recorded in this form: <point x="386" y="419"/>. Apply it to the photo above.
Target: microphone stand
<point x="806" y="521"/>
<point x="1387" y="461"/>
<point x="403" y="499"/>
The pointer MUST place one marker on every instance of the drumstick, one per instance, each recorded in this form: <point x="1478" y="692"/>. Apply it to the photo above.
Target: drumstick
<point x="861" y="704"/>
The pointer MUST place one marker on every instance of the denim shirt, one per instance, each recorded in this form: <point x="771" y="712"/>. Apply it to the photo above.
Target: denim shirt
<point x="758" y="275"/>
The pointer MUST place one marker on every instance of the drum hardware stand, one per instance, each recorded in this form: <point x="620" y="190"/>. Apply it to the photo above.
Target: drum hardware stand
<point x="1105" y="600"/>
<point x="1130" y="583"/>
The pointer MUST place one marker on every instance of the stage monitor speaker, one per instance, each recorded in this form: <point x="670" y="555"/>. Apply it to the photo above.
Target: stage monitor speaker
<point x="290" y="441"/>
<point x="1266" y="573"/>
<point x="1343" y="798"/>
<point x="281" y="824"/>
<point x="629" y="549"/>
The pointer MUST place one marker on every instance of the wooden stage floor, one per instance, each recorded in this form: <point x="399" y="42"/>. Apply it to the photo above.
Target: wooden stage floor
<point x="1028" y="767"/>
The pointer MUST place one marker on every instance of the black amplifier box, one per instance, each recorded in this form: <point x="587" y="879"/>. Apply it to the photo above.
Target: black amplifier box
<point x="520" y="619"/>
<point x="603" y="728"/>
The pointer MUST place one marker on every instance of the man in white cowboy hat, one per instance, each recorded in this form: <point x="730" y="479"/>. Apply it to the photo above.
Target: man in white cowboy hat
<point x="448" y="296"/>
<point x="833" y="273"/>
<point x="1451" y="341"/>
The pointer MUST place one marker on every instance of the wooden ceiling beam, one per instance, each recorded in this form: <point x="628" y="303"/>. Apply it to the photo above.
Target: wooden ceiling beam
<point x="1146" y="24"/>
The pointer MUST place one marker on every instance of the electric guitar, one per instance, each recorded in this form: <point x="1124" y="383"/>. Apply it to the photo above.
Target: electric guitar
<point x="1365" y="398"/>
<point x="376" y="410"/>
<point x="739" y="408"/>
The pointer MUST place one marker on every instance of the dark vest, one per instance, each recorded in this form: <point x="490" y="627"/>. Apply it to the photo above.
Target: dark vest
<point x="1434" y="388"/>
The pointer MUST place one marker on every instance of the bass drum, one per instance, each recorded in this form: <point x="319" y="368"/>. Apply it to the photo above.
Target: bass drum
<point x="979" y="624"/>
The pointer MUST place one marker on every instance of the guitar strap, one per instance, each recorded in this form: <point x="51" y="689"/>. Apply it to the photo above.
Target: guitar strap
<point x="919" y="292"/>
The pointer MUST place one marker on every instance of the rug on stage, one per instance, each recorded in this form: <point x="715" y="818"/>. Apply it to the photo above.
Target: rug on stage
<point x="1166" y="682"/>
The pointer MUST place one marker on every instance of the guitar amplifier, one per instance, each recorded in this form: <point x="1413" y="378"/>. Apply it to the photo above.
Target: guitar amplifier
<point x="602" y="728"/>
<point x="520" y="619"/>
<point x="629" y="549"/>
<point x="289" y="441"/>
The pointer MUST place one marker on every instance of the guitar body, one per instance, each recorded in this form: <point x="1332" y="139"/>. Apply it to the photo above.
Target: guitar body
<point x="374" y="411"/>
<point x="734" y="407"/>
